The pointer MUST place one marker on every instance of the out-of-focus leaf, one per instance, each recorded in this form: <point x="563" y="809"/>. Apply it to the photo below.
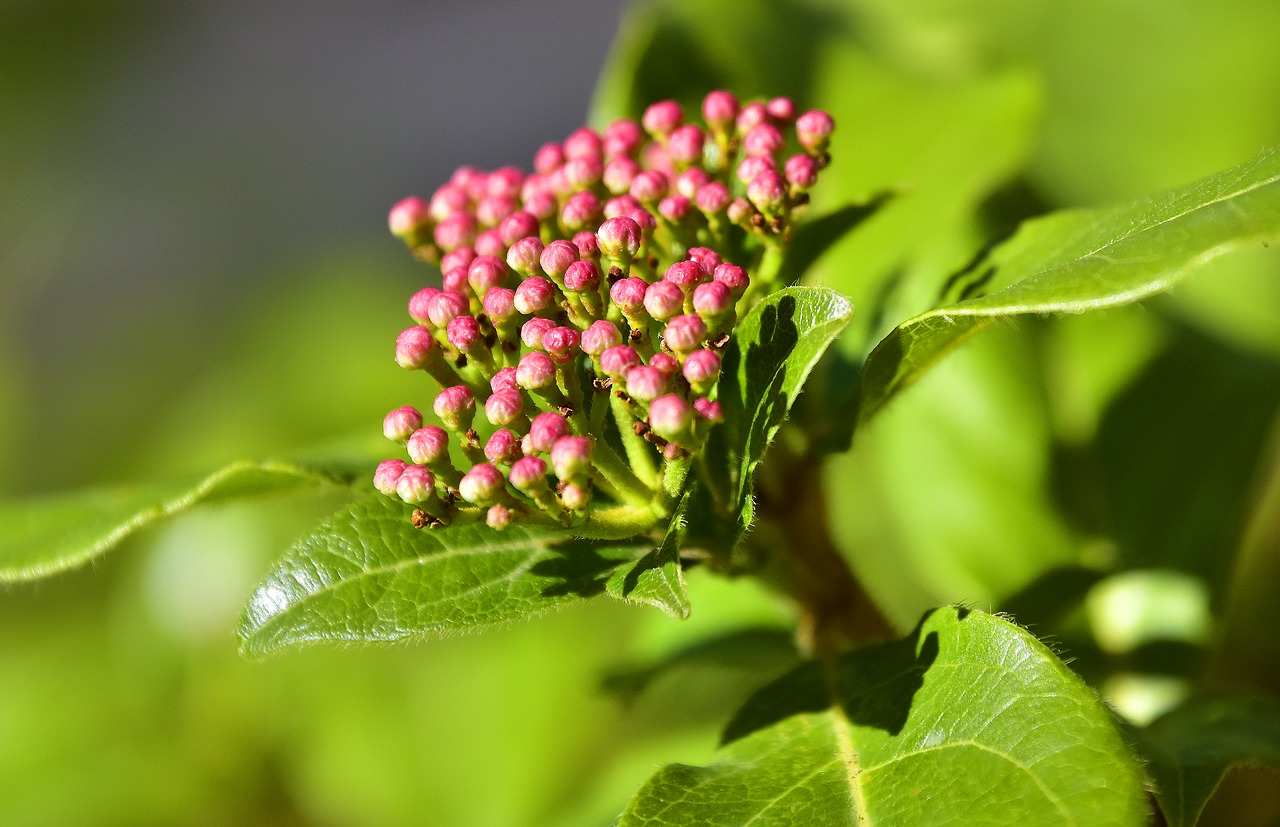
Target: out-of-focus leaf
<point x="1085" y="260"/>
<point x="774" y="348"/>
<point x="42" y="536"/>
<point x="968" y="720"/>
<point x="1190" y="749"/>
<point x="740" y="651"/>
<point x="656" y="579"/>
<point x="367" y="574"/>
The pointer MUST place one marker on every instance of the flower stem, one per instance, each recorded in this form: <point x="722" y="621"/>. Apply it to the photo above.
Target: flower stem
<point x="639" y="454"/>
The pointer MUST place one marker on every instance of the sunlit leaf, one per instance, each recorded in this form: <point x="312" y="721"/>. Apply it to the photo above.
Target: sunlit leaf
<point x="656" y="579"/>
<point x="969" y="720"/>
<point x="42" y="536"/>
<point x="1190" y="749"/>
<point x="367" y="574"/>
<point x="1086" y="260"/>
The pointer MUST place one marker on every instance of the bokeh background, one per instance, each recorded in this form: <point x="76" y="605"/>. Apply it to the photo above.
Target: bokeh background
<point x="194" y="268"/>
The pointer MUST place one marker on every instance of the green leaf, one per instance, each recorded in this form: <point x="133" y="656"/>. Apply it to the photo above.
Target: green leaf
<point x="969" y="720"/>
<point x="42" y="536"/>
<point x="774" y="348"/>
<point x="1190" y="749"/>
<point x="656" y="579"/>
<point x="367" y="574"/>
<point x="1086" y="260"/>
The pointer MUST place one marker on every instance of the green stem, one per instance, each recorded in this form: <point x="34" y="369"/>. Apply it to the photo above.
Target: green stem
<point x="618" y="475"/>
<point x="639" y="453"/>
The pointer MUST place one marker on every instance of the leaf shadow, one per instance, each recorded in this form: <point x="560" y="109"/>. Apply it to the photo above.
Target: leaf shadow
<point x="814" y="237"/>
<point x="578" y="568"/>
<point x="875" y="686"/>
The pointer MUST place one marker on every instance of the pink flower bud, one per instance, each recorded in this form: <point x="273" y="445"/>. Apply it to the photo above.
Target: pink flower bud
<point x="414" y="347"/>
<point x="471" y="179"/>
<point x="503" y="448"/>
<point x="420" y="302"/>
<point x="534" y="295"/>
<point x="399" y="424"/>
<point x="599" y="337"/>
<point x="561" y="343"/>
<point x="542" y="205"/>
<point x="571" y="457"/>
<point x="581" y="210"/>
<point x="751" y="116"/>
<point x="528" y="474"/>
<point x="712" y="198"/>
<point x="490" y="211"/>
<point x="504" y="380"/>
<point x="504" y="408"/>
<point x="685" y="334"/>
<point x="713" y="412"/>
<point x="802" y="171"/>
<point x="429" y="445"/>
<point x="588" y="247"/>
<point x="708" y="258"/>
<point x="482" y="485"/>
<point x="628" y="294"/>
<point x="536" y="371"/>
<point x="620" y="238"/>
<point x="461" y="257"/>
<point x="518" y="225"/>
<point x="733" y="277"/>
<point x="684" y="146"/>
<point x="645" y="383"/>
<point x="545" y="429"/>
<point x="416" y="485"/>
<point x="455" y="281"/>
<point x="691" y="180"/>
<point x="674" y="208"/>
<point x="664" y="299"/>
<point x="767" y="191"/>
<point x="670" y="417"/>
<point x="619" y="206"/>
<point x="504" y="181"/>
<point x="498" y="517"/>
<point x="622" y="138"/>
<point x="713" y="300"/>
<point x="455" y="406"/>
<point x="662" y="118"/>
<point x="763" y="140"/>
<point x="548" y="157"/>
<point x="617" y="360"/>
<point x="582" y="276"/>
<point x="464" y="333"/>
<point x="575" y="497"/>
<point x="650" y="187"/>
<point x="486" y="272"/>
<point x="618" y="175"/>
<point x="448" y="200"/>
<point x="665" y="364"/>
<point x="781" y="110"/>
<point x="813" y="130"/>
<point x="739" y="210"/>
<point x="409" y="217"/>
<point x="386" y="475"/>
<point x="719" y="109"/>
<point x="446" y="306"/>
<point x="753" y="166"/>
<point x="532" y="331"/>
<point x="583" y="143"/>
<point x="523" y="255"/>
<point x="557" y="257"/>
<point x="456" y="231"/>
<point x="583" y="172"/>
<point x="500" y="304"/>
<point x="645" y="219"/>
<point x="702" y="369"/>
<point x="686" y="275"/>
<point x="489" y="243"/>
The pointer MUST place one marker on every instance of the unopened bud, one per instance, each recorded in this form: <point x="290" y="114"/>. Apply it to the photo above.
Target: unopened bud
<point x="662" y="118"/>
<point x="684" y="146"/>
<point x="618" y="175"/>
<point x="571" y="457"/>
<point x="410" y="220"/>
<point x="482" y="485"/>
<point x="535" y="295"/>
<point x="813" y="130"/>
<point x="528" y="474"/>
<point x="701" y="370"/>
<point x="712" y="412"/>
<point x="544" y="431"/>
<point x="664" y="299"/>
<point x="671" y="417"/>
<point x="386" y="475"/>
<point x="456" y="407"/>
<point x="532" y="331"/>
<point x="719" y="109"/>
<point x="524" y="255"/>
<point x="712" y="198"/>
<point x="536" y="371"/>
<point x="518" y="225"/>
<point x="428" y="445"/>
<point x="503" y="448"/>
<point x="416" y="485"/>
<point x="399" y="424"/>
<point x="504" y="408"/>
<point x="583" y="143"/>
<point x="561" y="343"/>
<point x="767" y="191"/>
<point x="456" y="231"/>
<point x="464" y="333"/>
<point x="645" y="383"/>
<point x="581" y="210"/>
<point x="801" y="171"/>
<point x="622" y="138"/>
<point x="500" y="304"/>
<point x="733" y="277"/>
<point x="414" y="347"/>
<point x="599" y="337"/>
<point x="685" y="334"/>
<point x="617" y="360"/>
<point x="557" y="257"/>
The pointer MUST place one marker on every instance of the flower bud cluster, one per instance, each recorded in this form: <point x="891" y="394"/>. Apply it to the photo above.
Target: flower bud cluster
<point x="585" y="306"/>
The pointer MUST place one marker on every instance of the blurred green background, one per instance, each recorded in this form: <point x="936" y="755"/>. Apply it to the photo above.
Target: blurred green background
<point x="194" y="268"/>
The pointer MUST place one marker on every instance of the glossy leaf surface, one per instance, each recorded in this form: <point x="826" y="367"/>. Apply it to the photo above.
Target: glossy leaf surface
<point x="656" y="579"/>
<point x="367" y="574"/>
<point x="968" y="720"/>
<point x="1071" y="262"/>
<point x="43" y="536"/>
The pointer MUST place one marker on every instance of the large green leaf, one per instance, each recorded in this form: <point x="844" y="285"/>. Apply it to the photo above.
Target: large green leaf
<point x="1086" y="260"/>
<point x="42" y="536"/>
<point x="1190" y="749"/>
<point x="657" y="578"/>
<point x="774" y="348"/>
<point x="367" y="574"/>
<point x="969" y="720"/>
